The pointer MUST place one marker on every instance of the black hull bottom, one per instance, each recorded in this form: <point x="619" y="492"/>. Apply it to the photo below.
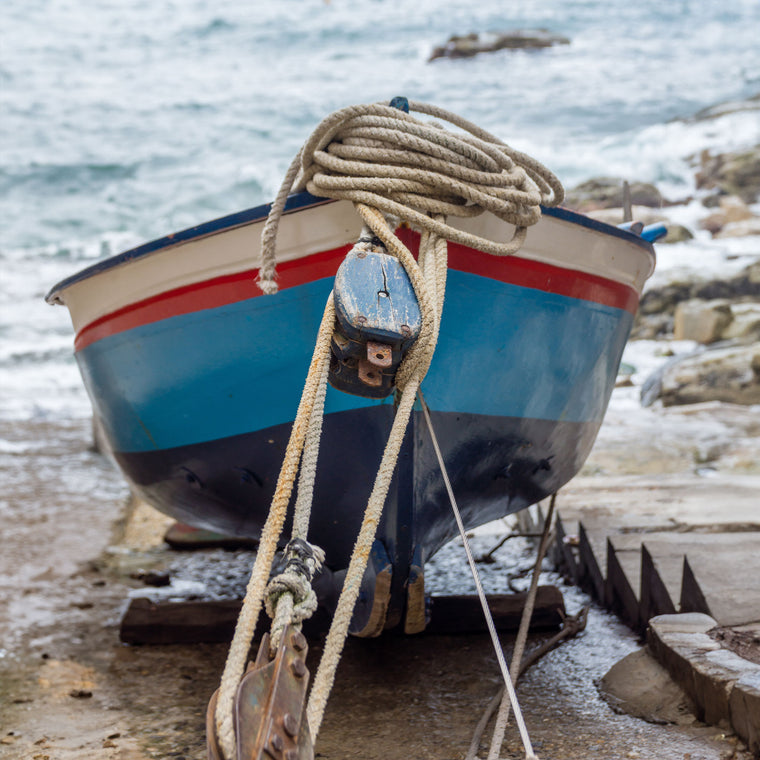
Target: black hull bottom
<point x="497" y="466"/>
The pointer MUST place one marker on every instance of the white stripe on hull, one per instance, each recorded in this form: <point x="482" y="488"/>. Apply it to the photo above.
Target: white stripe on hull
<point x="324" y="227"/>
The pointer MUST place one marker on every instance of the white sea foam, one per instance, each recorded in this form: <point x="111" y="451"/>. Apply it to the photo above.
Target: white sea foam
<point x="14" y="447"/>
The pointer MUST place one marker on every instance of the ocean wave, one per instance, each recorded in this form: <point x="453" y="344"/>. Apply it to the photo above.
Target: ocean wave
<point x="212" y="28"/>
<point x="56" y="178"/>
<point x="131" y="123"/>
<point x="73" y="250"/>
<point x="48" y="356"/>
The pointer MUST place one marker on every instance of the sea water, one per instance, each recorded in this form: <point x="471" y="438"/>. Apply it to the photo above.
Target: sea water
<point x="124" y="120"/>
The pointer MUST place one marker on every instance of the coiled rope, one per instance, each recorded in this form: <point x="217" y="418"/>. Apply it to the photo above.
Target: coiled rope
<point x="385" y="158"/>
<point x="393" y="167"/>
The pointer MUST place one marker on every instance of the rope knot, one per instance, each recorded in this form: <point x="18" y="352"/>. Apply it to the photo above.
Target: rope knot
<point x="290" y="598"/>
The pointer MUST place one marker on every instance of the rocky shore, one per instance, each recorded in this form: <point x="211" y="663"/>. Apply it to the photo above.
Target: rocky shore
<point x="719" y="314"/>
<point x="469" y="45"/>
<point x="675" y="467"/>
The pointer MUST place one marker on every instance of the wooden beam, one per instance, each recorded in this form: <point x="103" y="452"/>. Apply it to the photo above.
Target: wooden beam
<point x="464" y="614"/>
<point x="191" y="622"/>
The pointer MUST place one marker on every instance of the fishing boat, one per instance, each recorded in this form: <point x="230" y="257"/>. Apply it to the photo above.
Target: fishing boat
<point x="195" y="377"/>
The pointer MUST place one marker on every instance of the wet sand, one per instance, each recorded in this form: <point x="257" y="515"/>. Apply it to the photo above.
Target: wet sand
<point x="70" y="690"/>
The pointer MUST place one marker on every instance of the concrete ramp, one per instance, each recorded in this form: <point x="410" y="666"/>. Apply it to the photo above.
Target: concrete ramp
<point x="643" y="564"/>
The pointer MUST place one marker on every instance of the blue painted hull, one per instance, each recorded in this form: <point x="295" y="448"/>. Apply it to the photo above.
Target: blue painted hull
<point x="217" y="373"/>
<point x="198" y="407"/>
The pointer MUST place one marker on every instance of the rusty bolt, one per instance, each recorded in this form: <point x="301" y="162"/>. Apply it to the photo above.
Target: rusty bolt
<point x="361" y="254"/>
<point x="406" y="330"/>
<point x="362" y="319"/>
<point x="290" y="724"/>
<point x="299" y="669"/>
<point x="298" y="640"/>
<point x="277" y="743"/>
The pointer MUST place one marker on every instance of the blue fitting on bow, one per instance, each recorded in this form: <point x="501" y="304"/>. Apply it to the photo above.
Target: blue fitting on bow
<point x="400" y="102"/>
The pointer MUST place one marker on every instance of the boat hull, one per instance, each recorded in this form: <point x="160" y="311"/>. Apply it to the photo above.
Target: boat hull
<point x="195" y="376"/>
<point x="500" y="466"/>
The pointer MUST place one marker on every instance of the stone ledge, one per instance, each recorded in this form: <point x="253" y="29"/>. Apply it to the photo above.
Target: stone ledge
<point x="724" y="687"/>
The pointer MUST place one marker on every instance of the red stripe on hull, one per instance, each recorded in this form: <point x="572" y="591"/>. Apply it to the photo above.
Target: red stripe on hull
<point x="551" y="279"/>
<point x="241" y="286"/>
<point x="534" y="274"/>
<point x="209" y="294"/>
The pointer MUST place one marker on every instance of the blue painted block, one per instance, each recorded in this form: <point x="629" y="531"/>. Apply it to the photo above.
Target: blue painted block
<point x="378" y="320"/>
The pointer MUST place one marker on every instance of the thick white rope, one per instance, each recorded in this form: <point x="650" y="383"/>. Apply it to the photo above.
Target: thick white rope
<point x="354" y="154"/>
<point x="432" y="272"/>
<point x="270" y="534"/>
<point x="336" y="637"/>
<point x="290" y="598"/>
<point x="387" y="159"/>
<point x="309" y="460"/>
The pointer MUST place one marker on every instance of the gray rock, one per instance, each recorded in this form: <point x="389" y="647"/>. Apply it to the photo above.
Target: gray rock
<point x="726" y="373"/>
<point x="468" y="45"/>
<point x="663" y="301"/>
<point x="702" y="321"/>
<point x="715" y="289"/>
<point x="744" y="704"/>
<point x="686" y="622"/>
<point x="735" y="173"/>
<point x="745" y="324"/>
<point x="731" y="218"/>
<point x="712" y="201"/>
<point x="677" y="233"/>
<point x="708" y="321"/>
<point x="727" y="107"/>
<point x="607" y="192"/>
<point x="652" y="327"/>
<point x="752" y="274"/>
<point x="728" y="209"/>
<point x="651" y="388"/>
<point x="639" y="686"/>
<point x="724" y="687"/>
<point x="743" y="228"/>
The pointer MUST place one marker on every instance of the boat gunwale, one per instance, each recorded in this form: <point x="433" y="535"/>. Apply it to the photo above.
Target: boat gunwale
<point x="295" y="202"/>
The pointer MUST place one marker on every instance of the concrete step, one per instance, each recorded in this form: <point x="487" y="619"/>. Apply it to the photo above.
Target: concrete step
<point x="651" y="546"/>
<point x="716" y="673"/>
<point x="641" y="568"/>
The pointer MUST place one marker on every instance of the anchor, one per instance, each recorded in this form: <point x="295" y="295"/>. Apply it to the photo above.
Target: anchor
<point x="270" y="705"/>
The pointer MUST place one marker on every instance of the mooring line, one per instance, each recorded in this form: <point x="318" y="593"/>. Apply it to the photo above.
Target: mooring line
<point x="529" y="754"/>
<point x="522" y="634"/>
